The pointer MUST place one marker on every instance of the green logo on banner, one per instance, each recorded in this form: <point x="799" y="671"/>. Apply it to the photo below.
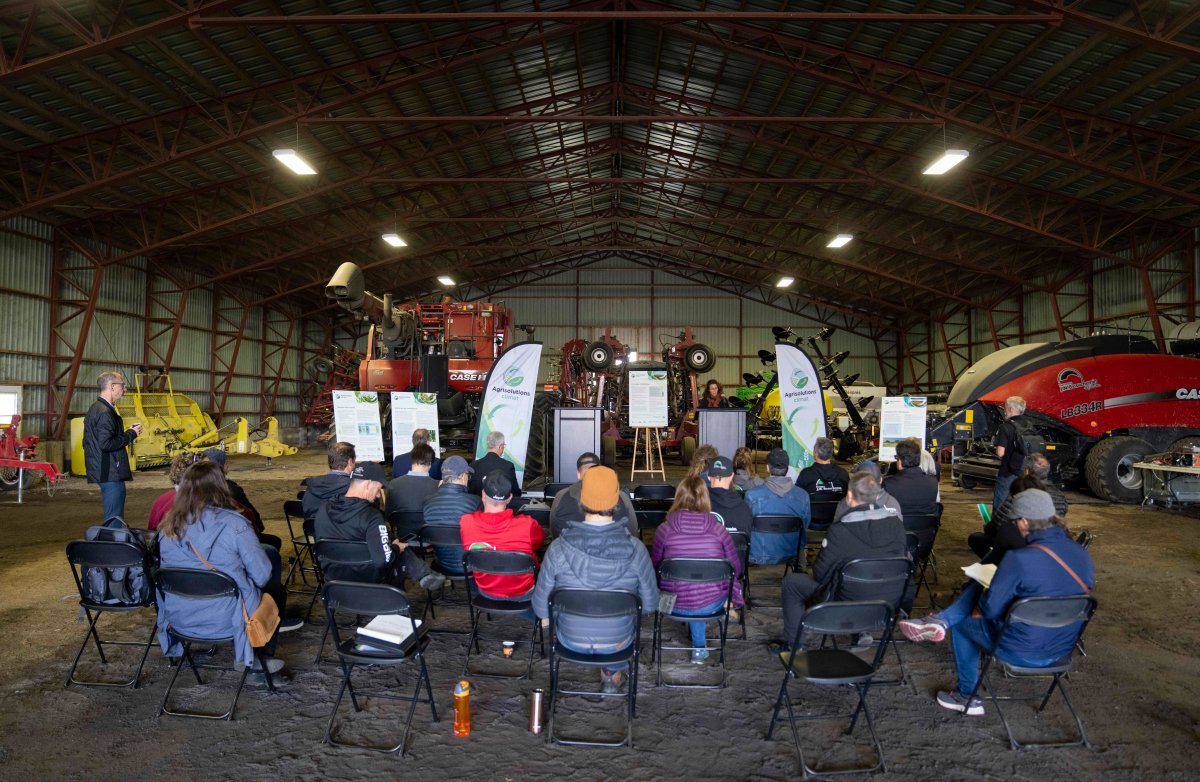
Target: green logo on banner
<point x="513" y="376"/>
<point x="799" y="378"/>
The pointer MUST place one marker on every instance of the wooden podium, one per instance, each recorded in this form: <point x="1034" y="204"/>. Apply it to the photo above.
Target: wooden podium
<point x="652" y="444"/>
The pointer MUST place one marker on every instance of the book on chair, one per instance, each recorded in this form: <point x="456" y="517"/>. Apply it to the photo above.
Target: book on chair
<point x="387" y="629"/>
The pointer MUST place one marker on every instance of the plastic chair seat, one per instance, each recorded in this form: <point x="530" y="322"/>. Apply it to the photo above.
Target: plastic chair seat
<point x="1061" y="665"/>
<point x="496" y="605"/>
<point x="387" y="655"/>
<point x="831" y="666"/>
<point x="595" y="660"/>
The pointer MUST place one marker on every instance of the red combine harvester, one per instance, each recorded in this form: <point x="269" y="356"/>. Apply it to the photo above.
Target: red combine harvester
<point x="20" y="453"/>
<point x="1095" y="407"/>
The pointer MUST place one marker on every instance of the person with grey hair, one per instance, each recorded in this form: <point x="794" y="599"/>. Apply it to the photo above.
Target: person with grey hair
<point x="105" y="439"/>
<point x="491" y="462"/>
<point x="1000" y="534"/>
<point x="916" y="491"/>
<point x="885" y="500"/>
<point x="1050" y="564"/>
<point x="403" y="464"/>
<point x="1010" y="450"/>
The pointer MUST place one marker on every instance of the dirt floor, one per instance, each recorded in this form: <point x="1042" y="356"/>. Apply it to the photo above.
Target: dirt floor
<point x="1137" y="689"/>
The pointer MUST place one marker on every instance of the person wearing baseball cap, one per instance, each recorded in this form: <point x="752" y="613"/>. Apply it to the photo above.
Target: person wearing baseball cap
<point x="564" y="509"/>
<point x="241" y="502"/>
<point x="448" y="505"/>
<point x="1050" y="564"/>
<point x="777" y="496"/>
<point x="497" y="528"/>
<point x="727" y="502"/>
<point x="600" y="554"/>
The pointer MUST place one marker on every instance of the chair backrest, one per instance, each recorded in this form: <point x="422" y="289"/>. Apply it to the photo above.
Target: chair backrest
<point x="587" y="613"/>
<point x="293" y="509"/>
<point x="111" y="572"/>
<point x="822" y="513"/>
<point x="651" y="519"/>
<point x="539" y="513"/>
<point x="922" y="523"/>
<point x="1052" y="611"/>
<point x="365" y="599"/>
<point x="498" y="563"/>
<point x="195" y="583"/>
<point x="654" y="491"/>
<point x="776" y="525"/>
<point x="551" y="491"/>
<point x="446" y="540"/>
<point x="406" y="522"/>
<point x="850" y="618"/>
<point x="741" y="542"/>
<point x="342" y="552"/>
<point x="696" y="570"/>
<point x="106" y="554"/>
<point x="878" y="578"/>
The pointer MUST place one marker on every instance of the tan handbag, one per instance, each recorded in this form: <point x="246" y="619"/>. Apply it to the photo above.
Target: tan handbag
<point x="260" y="628"/>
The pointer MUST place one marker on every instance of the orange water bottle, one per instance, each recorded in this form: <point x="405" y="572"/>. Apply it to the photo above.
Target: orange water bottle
<point x="462" y="708"/>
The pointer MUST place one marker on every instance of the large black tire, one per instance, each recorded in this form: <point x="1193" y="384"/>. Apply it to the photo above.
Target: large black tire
<point x="1109" y="470"/>
<point x="538" y="454"/>
<point x="608" y="451"/>
<point x="1186" y="443"/>
<point x="598" y="357"/>
<point x="8" y="478"/>
<point x="699" y="358"/>
<point x="967" y="482"/>
<point x="687" y="450"/>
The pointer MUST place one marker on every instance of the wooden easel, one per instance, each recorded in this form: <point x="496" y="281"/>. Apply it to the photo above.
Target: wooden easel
<point x="651" y="449"/>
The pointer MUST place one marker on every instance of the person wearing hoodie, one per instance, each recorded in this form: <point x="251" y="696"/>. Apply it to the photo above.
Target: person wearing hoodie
<point x="727" y="502"/>
<point x="564" y="508"/>
<point x="448" y="505"/>
<point x="779" y="496"/>
<point x="597" y="554"/>
<point x="356" y="516"/>
<point x="868" y="530"/>
<point x="321" y="488"/>
<point x="497" y="528"/>
<point x="745" y="476"/>
<point x="885" y="499"/>
<point x="691" y="531"/>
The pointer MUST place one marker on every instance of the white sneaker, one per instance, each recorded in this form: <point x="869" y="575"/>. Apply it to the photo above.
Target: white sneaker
<point x="274" y="665"/>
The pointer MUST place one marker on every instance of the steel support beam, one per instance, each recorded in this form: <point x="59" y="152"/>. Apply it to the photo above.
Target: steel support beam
<point x="74" y="291"/>
<point x="278" y="328"/>
<point x="229" y="321"/>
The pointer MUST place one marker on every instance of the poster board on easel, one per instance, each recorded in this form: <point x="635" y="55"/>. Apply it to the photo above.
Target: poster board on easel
<point x="356" y="419"/>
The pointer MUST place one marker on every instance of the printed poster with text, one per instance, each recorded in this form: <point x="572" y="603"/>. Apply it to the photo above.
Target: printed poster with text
<point x="801" y="404"/>
<point x="356" y="417"/>
<point x="508" y="403"/>
<point x="647" y="398"/>
<point x="901" y="417"/>
<point x="412" y="410"/>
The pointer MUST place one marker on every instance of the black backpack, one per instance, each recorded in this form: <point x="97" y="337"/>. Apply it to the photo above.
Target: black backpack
<point x="120" y="585"/>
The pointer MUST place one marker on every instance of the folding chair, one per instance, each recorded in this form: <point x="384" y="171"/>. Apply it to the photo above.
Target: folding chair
<point x="835" y="667"/>
<point x="650" y="520"/>
<point x="694" y="571"/>
<point x="741" y="542"/>
<point x="446" y="540"/>
<point x="406" y="522"/>
<point x="884" y="578"/>
<point x="551" y="490"/>
<point x="338" y="560"/>
<point x="293" y="510"/>
<point x="823" y="511"/>
<point x="776" y="525"/>
<point x="539" y="513"/>
<point x="108" y="555"/>
<point x="196" y="584"/>
<point x="1043" y="612"/>
<point x="371" y="600"/>
<point x="569" y="606"/>
<point x="920" y="533"/>
<point x="498" y="563"/>
<point x="653" y="496"/>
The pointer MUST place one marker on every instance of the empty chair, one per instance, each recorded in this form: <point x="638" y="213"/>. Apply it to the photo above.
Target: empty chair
<point x="95" y="564"/>
<point x="551" y="490"/>
<point x="879" y="578"/>
<point x="921" y="532"/>
<point x="653" y="496"/>
<point x="369" y="601"/>
<point x="499" y="563"/>
<point x="406" y="524"/>
<point x="342" y="560"/>
<point x="695" y="571"/>
<point x="302" y="541"/>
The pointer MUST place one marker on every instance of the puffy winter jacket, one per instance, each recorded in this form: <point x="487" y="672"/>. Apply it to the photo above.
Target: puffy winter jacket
<point x="865" y="532"/>
<point x="447" y="506"/>
<point x="104" y="441"/>
<point x="688" y="533"/>
<point x="777" y="497"/>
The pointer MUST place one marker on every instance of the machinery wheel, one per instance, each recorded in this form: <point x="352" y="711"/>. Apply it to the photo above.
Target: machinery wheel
<point x="322" y="365"/>
<point x="8" y="478"/>
<point x="699" y="358"/>
<point x="1109" y="468"/>
<point x="608" y="451"/>
<point x="598" y="357"/>
<point x="538" y="453"/>
<point x="967" y="482"/>
<point x="687" y="450"/>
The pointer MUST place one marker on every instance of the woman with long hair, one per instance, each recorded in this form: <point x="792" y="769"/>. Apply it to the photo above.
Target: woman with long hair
<point x="203" y="524"/>
<point x="714" y="395"/>
<point x="745" y="474"/>
<point x="163" y="503"/>
<point x="691" y="530"/>
<point x="701" y="459"/>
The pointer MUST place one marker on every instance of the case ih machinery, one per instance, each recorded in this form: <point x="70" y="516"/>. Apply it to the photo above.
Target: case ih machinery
<point x="1095" y="406"/>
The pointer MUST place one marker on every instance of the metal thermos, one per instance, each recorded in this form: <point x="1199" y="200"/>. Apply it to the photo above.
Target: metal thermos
<point x="535" y="711"/>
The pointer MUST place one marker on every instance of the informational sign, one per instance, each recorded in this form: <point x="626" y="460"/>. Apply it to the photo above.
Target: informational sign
<point x="508" y="402"/>
<point x="356" y="418"/>
<point x="412" y="410"/>
<point x="900" y="418"/>
<point x="647" y="397"/>
<point x="801" y="404"/>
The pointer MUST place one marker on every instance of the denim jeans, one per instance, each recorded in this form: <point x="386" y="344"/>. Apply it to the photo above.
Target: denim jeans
<point x="963" y="605"/>
<point x="1000" y="492"/>
<point x="112" y="496"/>
<point x="970" y="638"/>
<point x="598" y="649"/>
<point x="697" y="628"/>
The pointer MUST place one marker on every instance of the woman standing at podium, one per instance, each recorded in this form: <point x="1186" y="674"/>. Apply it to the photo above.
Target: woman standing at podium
<point x="714" y="395"/>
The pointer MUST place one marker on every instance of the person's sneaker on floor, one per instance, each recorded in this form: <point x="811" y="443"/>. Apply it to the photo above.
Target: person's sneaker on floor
<point x="699" y="656"/>
<point x="956" y="701"/>
<point x="289" y="623"/>
<point x="274" y="665"/>
<point x="610" y="682"/>
<point x="433" y="582"/>
<point x="864" y="641"/>
<point x="928" y="629"/>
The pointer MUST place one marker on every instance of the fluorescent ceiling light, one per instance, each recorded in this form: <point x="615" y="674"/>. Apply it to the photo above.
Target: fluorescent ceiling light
<point x="394" y="240"/>
<point x="950" y="159"/>
<point x="841" y="240"/>
<point x="293" y="161"/>
<point x="784" y="282"/>
<point x="447" y="281"/>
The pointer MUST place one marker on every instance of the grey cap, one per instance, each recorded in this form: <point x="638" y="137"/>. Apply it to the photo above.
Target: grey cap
<point x="454" y="467"/>
<point x="1034" y="504"/>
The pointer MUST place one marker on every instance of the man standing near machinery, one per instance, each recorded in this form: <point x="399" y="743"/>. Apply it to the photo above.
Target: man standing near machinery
<point x="1010" y="450"/>
<point x="105" y="439"/>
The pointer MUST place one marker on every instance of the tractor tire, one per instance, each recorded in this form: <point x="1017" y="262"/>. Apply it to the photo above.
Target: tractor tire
<point x="967" y="482"/>
<point x="1109" y="470"/>
<point x="699" y="358"/>
<point x="538" y="453"/>
<point x="321" y="365"/>
<point x="687" y="450"/>
<point x="1186" y="443"/>
<point x="8" y="478"/>
<point x="608" y="452"/>
<point x="598" y="357"/>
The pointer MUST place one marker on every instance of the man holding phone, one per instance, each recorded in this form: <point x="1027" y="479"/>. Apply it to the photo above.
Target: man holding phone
<point x="105" y="439"/>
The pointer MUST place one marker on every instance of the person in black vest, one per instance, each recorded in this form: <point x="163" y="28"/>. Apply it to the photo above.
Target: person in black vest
<point x="916" y="491"/>
<point x="105" y="439"/>
<point x="1010" y="450"/>
<point x="490" y="462"/>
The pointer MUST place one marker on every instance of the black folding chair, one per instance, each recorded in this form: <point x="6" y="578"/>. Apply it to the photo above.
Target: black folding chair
<point x="302" y="542"/>
<point x="405" y="523"/>
<point x="920" y="532"/>
<point x="196" y="584"/>
<point x="823" y="511"/>
<point x="878" y="578"/>
<point x="84" y="555"/>
<point x="1047" y="613"/>
<point x="498" y="563"/>
<point x="650" y="520"/>
<point x="551" y="490"/>
<point x="741" y="542"/>
<point x="653" y="496"/>
<point x="445" y="539"/>
<point x="694" y="571"/>
<point x="776" y="525"/>
<point x="369" y="601"/>
<point x="539" y="513"/>
<point x="339" y="560"/>
<point x="836" y="668"/>
<point x="586" y="605"/>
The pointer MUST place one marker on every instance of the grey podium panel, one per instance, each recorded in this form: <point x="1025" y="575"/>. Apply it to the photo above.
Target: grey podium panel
<point x="576" y="432"/>
<point x="724" y="429"/>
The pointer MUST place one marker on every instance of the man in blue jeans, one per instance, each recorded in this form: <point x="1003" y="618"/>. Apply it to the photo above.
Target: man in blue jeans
<point x="1010" y="450"/>
<point x="1051" y="564"/>
<point x="105" y="439"/>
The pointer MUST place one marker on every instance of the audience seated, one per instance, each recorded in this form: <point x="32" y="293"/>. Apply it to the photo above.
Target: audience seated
<point x="492" y="461"/>
<point x="403" y="464"/>
<point x="691" y="530"/>
<point x="916" y="491"/>
<point x="778" y="496"/>
<point x="1050" y="564"/>
<point x="701" y="459"/>
<point x="745" y="474"/>
<point x="727" y="502"/>
<point x="868" y="530"/>
<point x="564" y="509"/>
<point x="241" y="502"/>
<point x="203" y="524"/>
<point x="408" y="491"/>
<point x="597" y="554"/>
<point x="334" y="483"/>
<point x="823" y="480"/>
<point x="885" y="499"/>
<point x="448" y="505"/>
<point x="1000" y="534"/>
<point x="497" y="528"/>
<point x="179" y="464"/>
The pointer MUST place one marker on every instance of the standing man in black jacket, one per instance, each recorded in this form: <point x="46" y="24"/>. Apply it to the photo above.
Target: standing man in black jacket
<point x="105" y="439"/>
<point x="490" y="462"/>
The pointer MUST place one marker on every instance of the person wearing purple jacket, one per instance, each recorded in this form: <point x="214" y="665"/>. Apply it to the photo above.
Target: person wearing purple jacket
<point x="692" y="531"/>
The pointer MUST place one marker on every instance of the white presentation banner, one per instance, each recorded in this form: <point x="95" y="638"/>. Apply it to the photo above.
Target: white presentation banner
<point x="647" y="397"/>
<point x="508" y="398"/>
<point x="801" y="404"/>
<point x="412" y="410"/>
<point x="900" y="418"/>
<point x="356" y="418"/>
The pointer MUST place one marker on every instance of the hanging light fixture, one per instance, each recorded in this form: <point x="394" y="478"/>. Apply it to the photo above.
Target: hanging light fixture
<point x="291" y="159"/>
<point x="447" y="281"/>
<point x="784" y="282"/>
<point x="394" y="239"/>
<point x="841" y="240"/>
<point x="949" y="159"/>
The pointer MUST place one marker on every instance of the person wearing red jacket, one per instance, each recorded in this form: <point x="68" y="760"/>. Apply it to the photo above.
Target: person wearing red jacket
<point x="497" y="528"/>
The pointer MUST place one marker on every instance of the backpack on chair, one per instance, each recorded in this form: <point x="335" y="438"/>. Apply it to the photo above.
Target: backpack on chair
<point x="120" y="585"/>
